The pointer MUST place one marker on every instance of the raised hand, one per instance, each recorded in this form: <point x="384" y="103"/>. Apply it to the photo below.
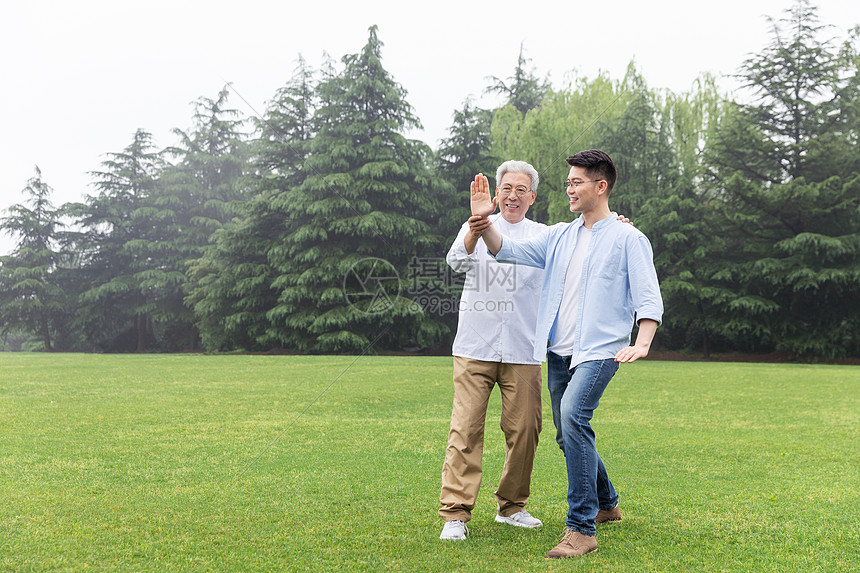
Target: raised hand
<point x="483" y="204"/>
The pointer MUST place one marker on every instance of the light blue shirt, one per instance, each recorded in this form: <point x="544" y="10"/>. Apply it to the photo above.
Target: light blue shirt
<point x="619" y="284"/>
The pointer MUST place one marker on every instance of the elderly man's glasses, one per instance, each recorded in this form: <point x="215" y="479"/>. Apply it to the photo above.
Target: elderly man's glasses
<point x="577" y="182"/>
<point x="520" y="190"/>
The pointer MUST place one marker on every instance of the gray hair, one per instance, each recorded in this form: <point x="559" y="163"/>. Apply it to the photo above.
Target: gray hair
<point x="518" y="167"/>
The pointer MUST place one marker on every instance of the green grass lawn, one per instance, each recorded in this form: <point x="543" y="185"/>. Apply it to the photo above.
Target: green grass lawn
<point x="273" y="463"/>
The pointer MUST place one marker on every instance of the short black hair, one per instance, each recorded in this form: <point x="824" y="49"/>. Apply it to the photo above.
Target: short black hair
<point x="598" y="164"/>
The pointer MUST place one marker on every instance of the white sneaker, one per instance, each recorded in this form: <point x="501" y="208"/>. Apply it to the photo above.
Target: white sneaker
<point x="520" y="519"/>
<point x="456" y="530"/>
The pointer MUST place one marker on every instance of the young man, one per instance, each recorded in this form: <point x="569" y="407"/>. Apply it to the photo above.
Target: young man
<point x="599" y="280"/>
<point x="493" y="346"/>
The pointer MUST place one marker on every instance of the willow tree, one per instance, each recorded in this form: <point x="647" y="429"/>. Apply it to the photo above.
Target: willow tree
<point x="569" y="119"/>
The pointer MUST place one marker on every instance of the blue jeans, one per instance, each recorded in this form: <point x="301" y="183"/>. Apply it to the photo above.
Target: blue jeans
<point x="575" y="395"/>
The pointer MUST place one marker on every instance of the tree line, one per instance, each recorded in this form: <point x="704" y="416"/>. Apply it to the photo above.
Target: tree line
<point x="245" y="234"/>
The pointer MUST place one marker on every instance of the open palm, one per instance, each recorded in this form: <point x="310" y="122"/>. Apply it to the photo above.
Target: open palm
<point x="483" y="204"/>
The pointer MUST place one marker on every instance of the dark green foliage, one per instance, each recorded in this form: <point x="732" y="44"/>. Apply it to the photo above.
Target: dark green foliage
<point x="234" y="282"/>
<point x="785" y="169"/>
<point x="461" y="156"/>
<point x="32" y="300"/>
<point x="229" y="288"/>
<point x="524" y="91"/>
<point x="148" y="222"/>
<point x="669" y="204"/>
<point x="286" y="241"/>
<point x="205" y="180"/>
<point x="204" y="187"/>
<point x="364" y="194"/>
<point x="120" y="250"/>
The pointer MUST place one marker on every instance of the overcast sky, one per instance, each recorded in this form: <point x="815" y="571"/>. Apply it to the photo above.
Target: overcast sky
<point x="80" y="77"/>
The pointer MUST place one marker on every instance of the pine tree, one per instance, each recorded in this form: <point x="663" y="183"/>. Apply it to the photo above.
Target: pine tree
<point x="786" y="166"/>
<point x="524" y="90"/>
<point x="31" y="296"/>
<point x="677" y="216"/>
<point x="361" y="210"/>
<point x="204" y="190"/>
<point x="121" y="250"/>
<point x="461" y="156"/>
<point x="233" y="284"/>
<point x="206" y="177"/>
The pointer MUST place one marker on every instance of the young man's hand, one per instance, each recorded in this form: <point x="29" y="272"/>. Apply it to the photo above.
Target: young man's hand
<point x="631" y="354"/>
<point x="647" y="329"/>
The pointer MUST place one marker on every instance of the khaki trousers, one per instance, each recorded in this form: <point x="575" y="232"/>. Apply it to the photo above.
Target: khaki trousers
<point x="520" y="385"/>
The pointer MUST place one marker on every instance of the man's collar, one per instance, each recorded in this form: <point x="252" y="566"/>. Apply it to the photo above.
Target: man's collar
<point x="499" y="217"/>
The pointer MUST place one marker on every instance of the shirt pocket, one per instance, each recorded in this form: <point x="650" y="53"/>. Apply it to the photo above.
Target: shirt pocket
<point x="609" y="264"/>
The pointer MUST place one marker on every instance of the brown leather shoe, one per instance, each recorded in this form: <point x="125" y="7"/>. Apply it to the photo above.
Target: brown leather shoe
<point x="573" y="544"/>
<point x="611" y="515"/>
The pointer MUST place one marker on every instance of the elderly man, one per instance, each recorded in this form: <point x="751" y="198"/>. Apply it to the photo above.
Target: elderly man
<point x="493" y="346"/>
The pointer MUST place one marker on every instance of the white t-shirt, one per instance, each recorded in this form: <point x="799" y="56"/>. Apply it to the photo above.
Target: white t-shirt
<point x="565" y="322"/>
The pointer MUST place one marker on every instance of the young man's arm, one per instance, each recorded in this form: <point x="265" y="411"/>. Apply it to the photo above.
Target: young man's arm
<point x="647" y="329"/>
<point x="647" y="301"/>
